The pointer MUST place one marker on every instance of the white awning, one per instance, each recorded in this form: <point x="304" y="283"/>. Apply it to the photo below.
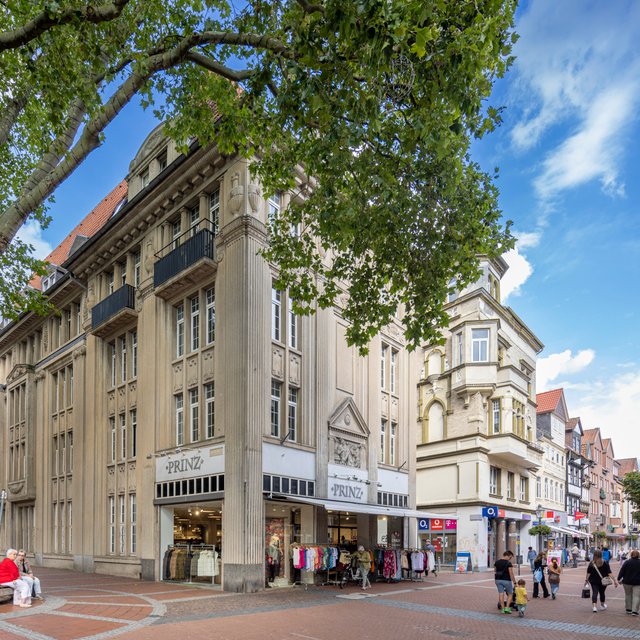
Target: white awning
<point x="569" y="532"/>
<point x="370" y="509"/>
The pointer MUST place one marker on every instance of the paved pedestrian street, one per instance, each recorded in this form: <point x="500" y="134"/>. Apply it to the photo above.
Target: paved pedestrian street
<point x="86" y="606"/>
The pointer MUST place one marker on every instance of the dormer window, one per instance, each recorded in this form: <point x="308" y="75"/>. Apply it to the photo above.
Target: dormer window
<point x="48" y="281"/>
<point x="162" y="161"/>
<point x="144" y="178"/>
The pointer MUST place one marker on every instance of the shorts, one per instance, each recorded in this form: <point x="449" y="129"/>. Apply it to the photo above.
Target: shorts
<point x="504" y="586"/>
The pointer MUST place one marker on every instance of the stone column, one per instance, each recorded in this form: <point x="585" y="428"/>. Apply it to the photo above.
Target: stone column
<point x="243" y="295"/>
<point x="511" y="536"/>
<point x="500" y="538"/>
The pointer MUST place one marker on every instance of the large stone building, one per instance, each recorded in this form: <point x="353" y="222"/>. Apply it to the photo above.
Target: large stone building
<point x="478" y="444"/>
<point x="178" y="402"/>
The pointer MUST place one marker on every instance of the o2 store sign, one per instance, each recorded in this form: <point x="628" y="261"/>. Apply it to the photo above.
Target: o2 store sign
<point x="437" y="524"/>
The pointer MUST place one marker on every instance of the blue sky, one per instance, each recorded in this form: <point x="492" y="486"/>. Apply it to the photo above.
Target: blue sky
<point x="569" y="163"/>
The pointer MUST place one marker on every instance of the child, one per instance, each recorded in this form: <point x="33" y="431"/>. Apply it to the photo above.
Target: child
<point x="521" y="597"/>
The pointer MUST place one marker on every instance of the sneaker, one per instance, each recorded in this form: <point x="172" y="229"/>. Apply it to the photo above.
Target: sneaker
<point x="521" y="614"/>
<point x="553" y="596"/>
<point x="501" y="607"/>
<point x="603" y="606"/>
<point x="595" y="609"/>
<point x="24" y="605"/>
<point x="635" y="613"/>
<point x="506" y="610"/>
<point x="628" y="612"/>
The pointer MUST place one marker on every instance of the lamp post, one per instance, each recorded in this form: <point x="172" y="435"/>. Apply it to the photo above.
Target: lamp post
<point x="539" y="512"/>
<point x="3" y="498"/>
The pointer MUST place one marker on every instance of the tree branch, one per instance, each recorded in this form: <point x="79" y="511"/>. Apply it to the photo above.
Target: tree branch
<point x="46" y="20"/>
<point x="219" y="69"/>
<point x="11" y="113"/>
<point x="252" y="40"/>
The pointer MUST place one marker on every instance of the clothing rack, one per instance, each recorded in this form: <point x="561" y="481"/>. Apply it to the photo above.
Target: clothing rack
<point x="189" y="548"/>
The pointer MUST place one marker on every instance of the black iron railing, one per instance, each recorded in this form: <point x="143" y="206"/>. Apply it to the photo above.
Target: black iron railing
<point x="122" y="298"/>
<point x="200" y="245"/>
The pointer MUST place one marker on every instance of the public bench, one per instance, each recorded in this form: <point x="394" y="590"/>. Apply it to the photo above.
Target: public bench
<point x="6" y="594"/>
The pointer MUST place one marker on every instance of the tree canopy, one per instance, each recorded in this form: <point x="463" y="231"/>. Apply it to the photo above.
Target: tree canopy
<point x="631" y="488"/>
<point x="378" y="100"/>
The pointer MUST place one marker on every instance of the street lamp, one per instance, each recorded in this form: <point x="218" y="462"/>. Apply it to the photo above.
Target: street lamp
<point x="539" y="512"/>
<point x="3" y="498"/>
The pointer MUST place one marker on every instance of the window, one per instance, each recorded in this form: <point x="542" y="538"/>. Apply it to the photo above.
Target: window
<point x="393" y="373"/>
<point x="546" y="488"/>
<point x="276" y="394"/>
<point x="452" y="291"/>
<point x="195" y="323"/>
<point x="112" y="524"/>
<point x="162" y="161"/>
<point x="292" y="415"/>
<point x="133" y="418"/>
<point x="194" y="414"/>
<point x="480" y="345"/>
<point x="179" y="403"/>
<point x="110" y="282"/>
<point x="134" y="354"/>
<point x="293" y="325"/>
<point x="538" y="487"/>
<point x="136" y="268"/>
<point x="518" y="420"/>
<point x="144" y="178"/>
<point x="273" y="204"/>
<point x="210" y="296"/>
<point x="112" y="429"/>
<point x="524" y="489"/>
<point x="510" y="485"/>
<point x="194" y="217"/>
<point x="112" y="349"/>
<point x="176" y="229"/>
<point x="209" y="396"/>
<point x="384" y="354"/>
<point x="459" y="357"/>
<point x="214" y="211"/>
<point x="133" y="539"/>
<point x="383" y="440"/>
<point x="123" y="436"/>
<point x="180" y="330"/>
<point x="122" y="269"/>
<point x="123" y="358"/>
<point x="495" y="412"/>
<point x="392" y="443"/>
<point x="122" y="511"/>
<point x="494" y="481"/>
<point x="276" y="313"/>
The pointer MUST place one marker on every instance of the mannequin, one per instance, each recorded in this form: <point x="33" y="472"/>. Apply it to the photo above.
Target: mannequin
<point x="274" y="557"/>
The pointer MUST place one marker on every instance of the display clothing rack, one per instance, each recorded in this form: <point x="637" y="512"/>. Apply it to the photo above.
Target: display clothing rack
<point x="185" y="561"/>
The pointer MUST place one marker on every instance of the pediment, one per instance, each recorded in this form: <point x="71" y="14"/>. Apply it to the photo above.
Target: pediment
<point x="348" y="421"/>
<point x="18" y="371"/>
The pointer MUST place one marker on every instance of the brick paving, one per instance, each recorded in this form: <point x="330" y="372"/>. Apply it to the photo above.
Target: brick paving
<point x="94" y="607"/>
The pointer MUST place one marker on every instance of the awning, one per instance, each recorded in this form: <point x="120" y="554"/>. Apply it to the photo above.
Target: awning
<point x="569" y="532"/>
<point x="370" y="509"/>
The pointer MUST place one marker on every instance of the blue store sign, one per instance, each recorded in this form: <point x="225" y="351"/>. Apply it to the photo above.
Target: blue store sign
<point x="423" y="524"/>
<point x="490" y="512"/>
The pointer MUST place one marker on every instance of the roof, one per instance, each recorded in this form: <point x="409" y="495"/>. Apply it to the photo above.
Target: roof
<point x="591" y="435"/>
<point x="89" y="226"/>
<point x="627" y="465"/>
<point x="571" y="424"/>
<point x="548" y="400"/>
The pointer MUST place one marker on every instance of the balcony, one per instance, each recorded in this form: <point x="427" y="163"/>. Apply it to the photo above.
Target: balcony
<point x="114" y="312"/>
<point x="512" y="450"/>
<point x="188" y="264"/>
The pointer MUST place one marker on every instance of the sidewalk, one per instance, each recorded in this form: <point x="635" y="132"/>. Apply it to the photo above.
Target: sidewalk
<point x="93" y="607"/>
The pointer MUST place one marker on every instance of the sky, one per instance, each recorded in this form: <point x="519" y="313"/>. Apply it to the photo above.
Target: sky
<point x="569" y="181"/>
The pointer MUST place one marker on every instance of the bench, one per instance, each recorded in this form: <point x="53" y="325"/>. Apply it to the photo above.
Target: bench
<point x="6" y="594"/>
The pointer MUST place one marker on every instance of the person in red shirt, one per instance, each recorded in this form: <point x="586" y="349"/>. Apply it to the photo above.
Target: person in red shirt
<point x="10" y="577"/>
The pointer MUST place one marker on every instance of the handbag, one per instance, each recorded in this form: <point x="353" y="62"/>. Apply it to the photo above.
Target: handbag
<point x="586" y="591"/>
<point x="554" y="578"/>
<point x="606" y="581"/>
<point x="537" y="575"/>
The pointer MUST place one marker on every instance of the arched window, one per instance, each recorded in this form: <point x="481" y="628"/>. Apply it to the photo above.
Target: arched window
<point x="435" y="422"/>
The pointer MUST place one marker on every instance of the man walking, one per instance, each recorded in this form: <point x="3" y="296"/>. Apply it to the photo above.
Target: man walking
<point x="531" y="556"/>
<point x="575" y="553"/>
<point x="504" y="581"/>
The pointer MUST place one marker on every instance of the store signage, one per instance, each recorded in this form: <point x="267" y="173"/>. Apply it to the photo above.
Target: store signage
<point x="578" y="515"/>
<point x="501" y="513"/>
<point x="423" y="524"/>
<point x="437" y="524"/>
<point x="490" y="512"/>
<point x="549" y="515"/>
<point x="190" y="463"/>
<point x="346" y="491"/>
<point x="450" y="525"/>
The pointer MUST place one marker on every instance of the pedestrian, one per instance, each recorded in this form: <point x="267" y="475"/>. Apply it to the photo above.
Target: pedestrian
<point x="363" y="560"/>
<point x="575" y="554"/>
<point x="629" y="576"/>
<point x="554" y="572"/>
<point x="505" y="580"/>
<point x="540" y="563"/>
<point x="521" y="597"/>
<point x="606" y="554"/>
<point x="598" y="570"/>
<point x="531" y="556"/>
<point x="10" y="577"/>
<point x="27" y="575"/>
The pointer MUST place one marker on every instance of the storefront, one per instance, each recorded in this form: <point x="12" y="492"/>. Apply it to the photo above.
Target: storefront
<point x="442" y="534"/>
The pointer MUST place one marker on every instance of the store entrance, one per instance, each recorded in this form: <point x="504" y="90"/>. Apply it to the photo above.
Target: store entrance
<point x="342" y="530"/>
<point x="195" y="553"/>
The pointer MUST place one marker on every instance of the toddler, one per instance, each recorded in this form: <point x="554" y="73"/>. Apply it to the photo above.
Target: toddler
<point x="521" y="597"/>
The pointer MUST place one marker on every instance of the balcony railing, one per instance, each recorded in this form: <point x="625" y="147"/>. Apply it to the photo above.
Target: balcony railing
<point x="115" y="309"/>
<point x="184" y="259"/>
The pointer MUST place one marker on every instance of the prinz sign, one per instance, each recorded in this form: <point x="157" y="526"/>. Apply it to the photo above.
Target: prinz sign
<point x="193" y="463"/>
<point x="347" y="491"/>
<point x="190" y="463"/>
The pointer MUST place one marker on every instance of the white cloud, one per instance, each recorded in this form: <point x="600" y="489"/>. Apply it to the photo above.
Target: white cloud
<point x="31" y="233"/>
<point x="520" y="269"/>
<point x="551" y="367"/>
<point x="611" y="405"/>
<point x="575" y="81"/>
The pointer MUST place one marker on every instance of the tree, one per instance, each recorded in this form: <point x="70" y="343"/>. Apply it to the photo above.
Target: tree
<point x="631" y="487"/>
<point x="378" y="100"/>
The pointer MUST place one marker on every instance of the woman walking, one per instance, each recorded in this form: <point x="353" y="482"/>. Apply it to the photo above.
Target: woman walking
<point x="554" y="577"/>
<point x="599" y="577"/>
<point x="629" y="575"/>
<point x="540" y="563"/>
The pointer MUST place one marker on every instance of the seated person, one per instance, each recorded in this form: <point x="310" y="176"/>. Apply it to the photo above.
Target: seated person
<point x="10" y="577"/>
<point x="27" y="575"/>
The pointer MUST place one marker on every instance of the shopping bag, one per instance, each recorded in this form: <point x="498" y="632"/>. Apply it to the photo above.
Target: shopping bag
<point x="537" y="575"/>
<point x="586" y="591"/>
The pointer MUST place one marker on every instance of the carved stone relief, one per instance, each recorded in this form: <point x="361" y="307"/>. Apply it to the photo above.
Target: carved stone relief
<point x="111" y="403"/>
<point x="277" y="362"/>
<point x="192" y="371"/>
<point x="133" y="394"/>
<point x="254" y="196"/>
<point x="346" y="452"/>
<point x="207" y="366"/>
<point x="79" y="352"/>
<point x="294" y="369"/>
<point x="177" y="376"/>
<point x="236" y="194"/>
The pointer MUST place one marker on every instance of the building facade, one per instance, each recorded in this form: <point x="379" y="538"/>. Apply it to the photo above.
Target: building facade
<point x="178" y="392"/>
<point x="477" y="448"/>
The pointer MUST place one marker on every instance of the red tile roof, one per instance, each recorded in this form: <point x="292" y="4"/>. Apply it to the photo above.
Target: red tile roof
<point x="571" y="424"/>
<point x="89" y="226"/>
<point x="548" y="400"/>
<point x="627" y="465"/>
<point x="590" y="435"/>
